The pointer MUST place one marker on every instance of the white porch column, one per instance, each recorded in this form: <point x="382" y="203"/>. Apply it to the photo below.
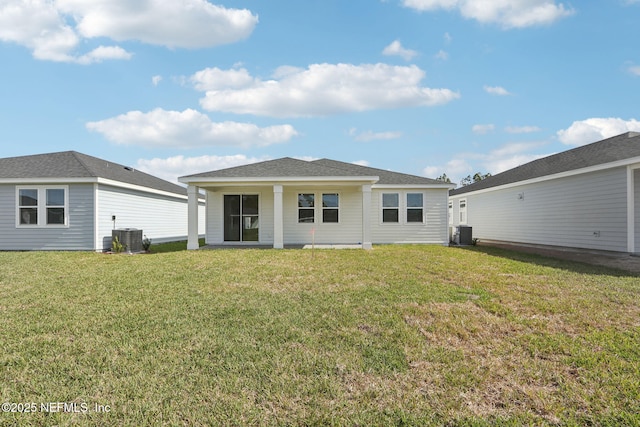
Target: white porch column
<point x="631" y="210"/>
<point x="192" y="240"/>
<point x="278" y="221"/>
<point x="366" y="216"/>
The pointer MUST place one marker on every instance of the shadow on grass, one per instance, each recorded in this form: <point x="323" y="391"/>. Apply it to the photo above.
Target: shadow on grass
<point x="162" y="248"/>
<point x="551" y="260"/>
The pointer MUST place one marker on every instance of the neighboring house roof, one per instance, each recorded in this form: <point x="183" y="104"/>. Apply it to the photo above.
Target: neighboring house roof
<point x="71" y="164"/>
<point x="288" y="167"/>
<point x="617" y="148"/>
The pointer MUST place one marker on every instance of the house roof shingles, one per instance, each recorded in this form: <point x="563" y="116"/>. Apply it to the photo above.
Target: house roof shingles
<point x="617" y="148"/>
<point x="289" y="167"/>
<point x="71" y="164"/>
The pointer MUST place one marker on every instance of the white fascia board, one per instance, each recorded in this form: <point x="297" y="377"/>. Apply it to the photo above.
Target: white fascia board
<point x="92" y="180"/>
<point x="144" y="189"/>
<point x="633" y="162"/>
<point x="47" y="181"/>
<point x="349" y="180"/>
<point x="443" y="186"/>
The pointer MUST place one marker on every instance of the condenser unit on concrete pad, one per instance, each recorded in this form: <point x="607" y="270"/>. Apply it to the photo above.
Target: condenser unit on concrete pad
<point x="130" y="238"/>
<point x="465" y="235"/>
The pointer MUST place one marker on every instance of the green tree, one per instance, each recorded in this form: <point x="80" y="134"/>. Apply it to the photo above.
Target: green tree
<point x="478" y="176"/>
<point x="444" y="178"/>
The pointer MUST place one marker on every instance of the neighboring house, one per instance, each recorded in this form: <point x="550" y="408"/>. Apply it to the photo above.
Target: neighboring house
<point x="293" y="202"/>
<point x="71" y="201"/>
<point x="587" y="197"/>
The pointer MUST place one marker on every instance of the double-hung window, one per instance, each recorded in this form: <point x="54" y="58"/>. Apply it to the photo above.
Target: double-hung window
<point x="306" y="208"/>
<point x="415" y="207"/>
<point x="42" y="206"/>
<point x="390" y="207"/>
<point x="330" y="207"/>
<point x="28" y="206"/>
<point x="329" y="210"/>
<point x="403" y="208"/>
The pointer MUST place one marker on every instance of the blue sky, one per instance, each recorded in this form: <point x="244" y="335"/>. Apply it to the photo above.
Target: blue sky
<point x="417" y="86"/>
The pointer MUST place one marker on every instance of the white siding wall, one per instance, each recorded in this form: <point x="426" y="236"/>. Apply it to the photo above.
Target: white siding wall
<point x="434" y="231"/>
<point x="78" y="236"/>
<point x="566" y="212"/>
<point x="215" y="211"/>
<point x="348" y="230"/>
<point x="161" y="218"/>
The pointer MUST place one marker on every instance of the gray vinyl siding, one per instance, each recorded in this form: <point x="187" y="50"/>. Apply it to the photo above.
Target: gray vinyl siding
<point x="433" y="231"/>
<point x="161" y="218"/>
<point x="77" y="236"/>
<point x="582" y="211"/>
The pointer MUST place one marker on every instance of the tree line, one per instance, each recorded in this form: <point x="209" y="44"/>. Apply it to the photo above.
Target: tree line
<point x="478" y="176"/>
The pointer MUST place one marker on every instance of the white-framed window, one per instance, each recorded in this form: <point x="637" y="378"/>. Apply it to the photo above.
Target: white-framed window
<point x="415" y="208"/>
<point x="327" y="209"/>
<point x="306" y="207"/>
<point x="403" y="208"/>
<point x="463" y="211"/>
<point x="42" y="206"/>
<point x="330" y="207"/>
<point x="390" y="208"/>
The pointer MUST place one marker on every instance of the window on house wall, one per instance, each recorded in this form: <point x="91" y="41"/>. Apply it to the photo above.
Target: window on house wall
<point x="330" y="207"/>
<point x="55" y="206"/>
<point x="390" y="207"/>
<point x="415" y="207"/>
<point x="42" y="206"/>
<point x="463" y="211"/>
<point x="450" y="212"/>
<point x="306" y="207"/>
<point x="28" y="206"/>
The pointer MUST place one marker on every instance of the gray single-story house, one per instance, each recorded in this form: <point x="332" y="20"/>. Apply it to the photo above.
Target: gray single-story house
<point x="295" y="202"/>
<point x="587" y="197"/>
<point x="71" y="201"/>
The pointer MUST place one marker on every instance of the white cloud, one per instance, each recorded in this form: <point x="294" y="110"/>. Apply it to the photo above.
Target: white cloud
<point x="482" y="129"/>
<point x="522" y="129"/>
<point x="173" y="167"/>
<point x="455" y="169"/>
<point x="38" y="25"/>
<point x="634" y="69"/>
<point x="505" y="157"/>
<point x="155" y="80"/>
<point x="447" y="38"/>
<point x="54" y="30"/>
<point x="395" y="48"/>
<point x="185" y="23"/>
<point x="594" y="129"/>
<point x="496" y="90"/>
<point x="216" y="79"/>
<point x="442" y="55"/>
<point x="361" y="163"/>
<point x="367" y="136"/>
<point x="102" y="53"/>
<point x="507" y="14"/>
<point x="186" y="129"/>
<point x="322" y="89"/>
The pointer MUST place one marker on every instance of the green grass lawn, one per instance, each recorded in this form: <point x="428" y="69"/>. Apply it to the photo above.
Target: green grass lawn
<point x="399" y="335"/>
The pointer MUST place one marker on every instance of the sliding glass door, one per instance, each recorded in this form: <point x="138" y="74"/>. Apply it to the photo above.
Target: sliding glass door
<point x="241" y="221"/>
